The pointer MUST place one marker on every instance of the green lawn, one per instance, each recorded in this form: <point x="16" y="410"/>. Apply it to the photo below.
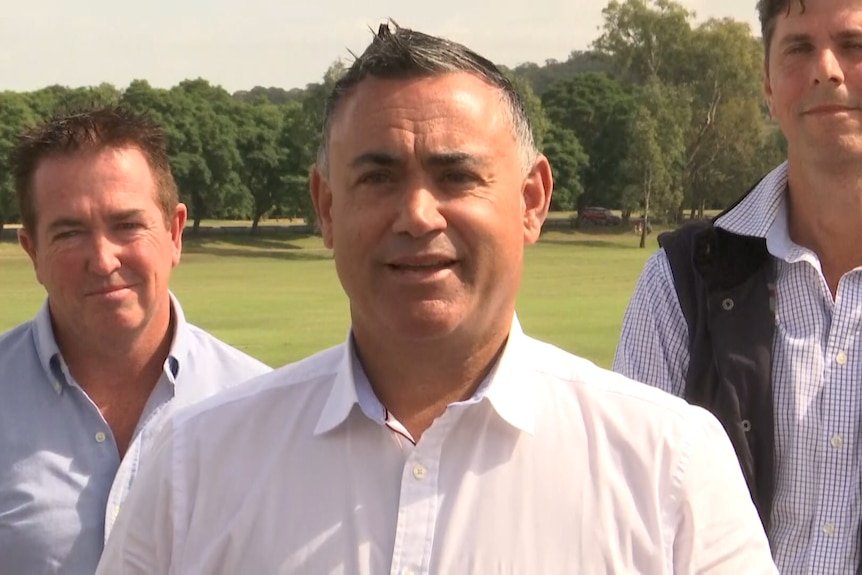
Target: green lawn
<point x="278" y="298"/>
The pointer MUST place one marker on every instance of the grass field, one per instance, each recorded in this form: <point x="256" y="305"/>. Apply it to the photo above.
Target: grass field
<point x="278" y="298"/>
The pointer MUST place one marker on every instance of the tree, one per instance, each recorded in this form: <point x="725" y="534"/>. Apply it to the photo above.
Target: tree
<point x="271" y="95"/>
<point x="532" y="106"/>
<point x="15" y="115"/>
<point x="716" y="63"/>
<point x="60" y="99"/>
<point x="299" y="139"/>
<point x="656" y="147"/>
<point x="596" y="109"/>
<point x="727" y="121"/>
<point x="578" y="62"/>
<point x="301" y="135"/>
<point x="261" y="157"/>
<point x="568" y="160"/>
<point x="204" y="158"/>
<point x="645" y="39"/>
<point x="732" y="157"/>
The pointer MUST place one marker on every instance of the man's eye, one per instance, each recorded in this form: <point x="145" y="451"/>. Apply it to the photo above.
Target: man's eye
<point x="798" y="49"/>
<point x="66" y="234"/>
<point x="375" y="178"/>
<point x="459" y="177"/>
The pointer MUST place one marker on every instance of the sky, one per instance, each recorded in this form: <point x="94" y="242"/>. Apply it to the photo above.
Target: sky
<point x="239" y="44"/>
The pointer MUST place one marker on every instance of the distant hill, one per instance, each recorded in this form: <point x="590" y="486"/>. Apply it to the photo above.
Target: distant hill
<point x="542" y="76"/>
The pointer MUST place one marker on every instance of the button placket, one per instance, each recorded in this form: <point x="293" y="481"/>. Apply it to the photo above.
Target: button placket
<point x="419" y="499"/>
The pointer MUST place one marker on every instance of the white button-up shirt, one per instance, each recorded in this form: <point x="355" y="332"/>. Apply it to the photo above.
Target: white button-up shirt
<point x="816" y="377"/>
<point x="554" y="466"/>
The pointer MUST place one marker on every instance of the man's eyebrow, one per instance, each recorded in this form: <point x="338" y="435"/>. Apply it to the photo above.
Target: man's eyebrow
<point x="374" y="159"/>
<point x="851" y="34"/>
<point x="801" y="38"/>
<point x="439" y="159"/>
<point x="795" y="39"/>
<point x="443" y="159"/>
<point x="126" y="215"/>
<point x="65" y="223"/>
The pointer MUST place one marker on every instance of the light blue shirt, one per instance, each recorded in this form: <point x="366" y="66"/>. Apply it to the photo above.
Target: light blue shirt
<point x="61" y="477"/>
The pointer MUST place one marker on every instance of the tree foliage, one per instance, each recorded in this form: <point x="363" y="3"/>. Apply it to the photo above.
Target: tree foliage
<point x="662" y="116"/>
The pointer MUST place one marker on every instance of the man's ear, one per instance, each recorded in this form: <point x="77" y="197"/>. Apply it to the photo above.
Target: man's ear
<point x="536" y="198"/>
<point x="28" y="243"/>
<point x="321" y="197"/>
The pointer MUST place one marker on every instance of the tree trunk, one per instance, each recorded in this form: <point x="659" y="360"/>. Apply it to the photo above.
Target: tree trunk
<point x="254" y="223"/>
<point x="196" y="225"/>
<point x="645" y="222"/>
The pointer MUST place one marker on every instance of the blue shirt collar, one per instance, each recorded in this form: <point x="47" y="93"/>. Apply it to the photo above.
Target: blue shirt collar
<point x="55" y="367"/>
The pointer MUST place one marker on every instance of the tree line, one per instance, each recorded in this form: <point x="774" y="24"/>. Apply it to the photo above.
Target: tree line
<point x="661" y="117"/>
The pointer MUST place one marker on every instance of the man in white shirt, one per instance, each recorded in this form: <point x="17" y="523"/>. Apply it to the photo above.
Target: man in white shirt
<point x="439" y="438"/>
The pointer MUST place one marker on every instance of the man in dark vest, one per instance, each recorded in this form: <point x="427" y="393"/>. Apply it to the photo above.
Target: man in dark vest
<point x="757" y="314"/>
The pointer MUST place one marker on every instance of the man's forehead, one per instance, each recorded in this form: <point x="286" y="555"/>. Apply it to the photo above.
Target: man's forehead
<point x="93" y="157"/>
<point x="122" y="170"/>
<point x="837" y="11"/>
<point x="423" y="95"/>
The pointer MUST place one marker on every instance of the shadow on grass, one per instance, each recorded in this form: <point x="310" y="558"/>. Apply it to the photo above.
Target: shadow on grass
<point x="282" y="247"/>
<point x="603" y="239"/>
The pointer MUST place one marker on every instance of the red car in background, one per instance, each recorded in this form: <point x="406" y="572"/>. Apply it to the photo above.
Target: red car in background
<point x="599" y="217"/>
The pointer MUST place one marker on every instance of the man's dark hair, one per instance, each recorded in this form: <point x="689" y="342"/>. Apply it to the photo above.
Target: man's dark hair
<point x="91" y="130"/>
<point x="403" y="54"/>
<point x="768" y="11"/>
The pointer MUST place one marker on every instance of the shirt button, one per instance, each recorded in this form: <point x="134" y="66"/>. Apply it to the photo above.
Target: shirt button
<point x="828" y="528"/>
<point x="100" y="437"/>
<point x="419" y="471"/>
<point x="727" y="304"/>
<point x="836" y="441"/>
<point x="841" y="358"/>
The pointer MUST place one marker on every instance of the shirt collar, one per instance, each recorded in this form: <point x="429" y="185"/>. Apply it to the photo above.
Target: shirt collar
<point x="180" y="344"/>
<point x="779" y="244"/>
<point x="55" y="367"/>
<point x="342" y="395"/>
<point x="47" y="349"/>
<point x="510" y="389"/>
<point x="506" y="387"/>
<point x="755" y="213"/>
<point x="763" y="213"/>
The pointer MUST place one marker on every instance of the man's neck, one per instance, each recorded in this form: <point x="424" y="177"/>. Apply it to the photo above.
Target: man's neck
<point x="119" y="376"/>
<point x="417" y="381"/>
<point x="103" y="363"/>
<point x="825" y="216"/>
